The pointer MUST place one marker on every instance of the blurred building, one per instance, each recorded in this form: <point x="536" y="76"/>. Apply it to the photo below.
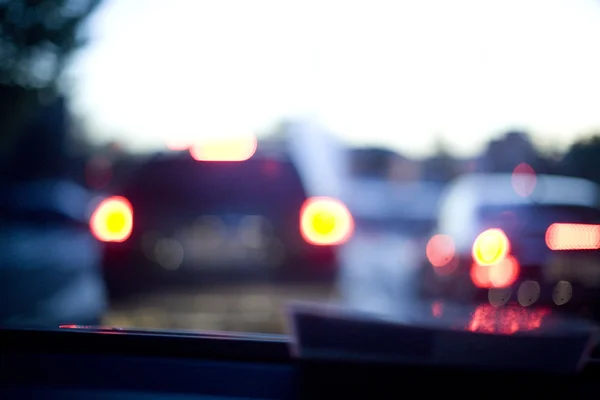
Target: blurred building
<point x="402" y="169"/>
<point x="40" y="150"/>
<point x="378" y="162"/>
<point x="441" y="168"/>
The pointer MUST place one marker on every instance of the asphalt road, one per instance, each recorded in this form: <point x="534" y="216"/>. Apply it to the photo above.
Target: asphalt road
<point x="262" y="308"/>
<point x="377" y="276"/>
<point x="373" y="269"/>
<point x="235" y="307"/>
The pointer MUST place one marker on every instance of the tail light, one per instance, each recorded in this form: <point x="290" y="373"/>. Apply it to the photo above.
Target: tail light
<point x="493" y="267"/>
<point x="325" y="221"/>
<point x="112" y="221"/>
<point x="500" y="275"/>
<point x="440" y="250"/>
<point x="573" y="237"/>
<point x="490" y="247"/>
<point x="441" y="253"/>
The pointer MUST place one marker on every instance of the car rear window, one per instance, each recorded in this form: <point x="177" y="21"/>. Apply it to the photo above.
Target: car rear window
<point x="535" y="218"/>
<point x="264" y="183"/>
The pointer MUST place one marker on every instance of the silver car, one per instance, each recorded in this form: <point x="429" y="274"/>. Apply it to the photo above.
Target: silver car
<point x="533" y="239"/>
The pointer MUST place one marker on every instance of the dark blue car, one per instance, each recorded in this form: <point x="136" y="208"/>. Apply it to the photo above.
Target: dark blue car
<point x="49" y="260"/>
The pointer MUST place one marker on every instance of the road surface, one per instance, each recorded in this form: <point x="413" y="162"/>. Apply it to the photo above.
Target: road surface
<point x="239" y="307"/>
<point x="378" y="275"/>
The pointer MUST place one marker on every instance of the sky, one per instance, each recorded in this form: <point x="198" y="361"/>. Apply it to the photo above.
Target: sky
<point x="397" y="73"/>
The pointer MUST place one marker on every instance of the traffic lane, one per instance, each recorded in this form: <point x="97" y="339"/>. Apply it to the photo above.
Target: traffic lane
<point x="378" y="272"/>
<point x="247" y="307"/>
<point x="374" y="270"/>
<point x="263" y="310"/>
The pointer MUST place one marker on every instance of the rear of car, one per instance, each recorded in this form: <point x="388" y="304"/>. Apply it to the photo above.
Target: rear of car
<point x="539" y="250"/>
<point x="204" y="221"/>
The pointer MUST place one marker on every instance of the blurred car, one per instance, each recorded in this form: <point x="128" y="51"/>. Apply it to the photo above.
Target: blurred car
<point x="228" y="211"/>
<point x="529" y="238"/>
<point x="50" y="264"/>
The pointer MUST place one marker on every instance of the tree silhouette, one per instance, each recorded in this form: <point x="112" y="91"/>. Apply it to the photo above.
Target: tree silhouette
<point x="37" y="39"/>
<point x="583" y="159"/>
<point x="441" y="167"/>
<point x="515" y="147"/>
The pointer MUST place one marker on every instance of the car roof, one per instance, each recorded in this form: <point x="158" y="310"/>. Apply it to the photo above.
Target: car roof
<point x="497" y="189"/>
<point x="318" y="156"/>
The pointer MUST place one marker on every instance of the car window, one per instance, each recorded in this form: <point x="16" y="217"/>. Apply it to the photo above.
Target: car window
<point x="263" y="183"/>
<point x="537" y="218"/>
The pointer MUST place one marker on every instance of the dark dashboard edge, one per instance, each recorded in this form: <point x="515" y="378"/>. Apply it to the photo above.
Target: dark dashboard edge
<point x="180" y="345"/>
<point x="209" y="346"/>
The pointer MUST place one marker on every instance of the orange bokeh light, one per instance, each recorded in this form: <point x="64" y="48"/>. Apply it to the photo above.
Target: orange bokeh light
<point x="440" y="250"/>
<point x="573" y="237"/>
<point x="499" y="275"/>
<point x="490" y="319"/>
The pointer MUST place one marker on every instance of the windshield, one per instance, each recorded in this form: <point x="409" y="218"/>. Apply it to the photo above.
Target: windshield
<point x="200" y="164"/>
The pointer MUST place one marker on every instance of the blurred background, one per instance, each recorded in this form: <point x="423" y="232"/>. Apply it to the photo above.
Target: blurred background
<point x="159" y="160"/>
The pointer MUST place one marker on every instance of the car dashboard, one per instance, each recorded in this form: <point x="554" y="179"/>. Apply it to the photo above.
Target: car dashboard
<point x="113" y="364"/>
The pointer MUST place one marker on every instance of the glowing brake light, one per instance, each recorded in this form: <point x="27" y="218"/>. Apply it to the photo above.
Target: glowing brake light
<point x="232" y="149"/>
<point x="499" y="275"/>
<point x="490" y="247"/>
<point x="573" y="237"/>
<point x="440" y="250"/>
<point x="325" y="221"/>
<point x="112" y="221"/>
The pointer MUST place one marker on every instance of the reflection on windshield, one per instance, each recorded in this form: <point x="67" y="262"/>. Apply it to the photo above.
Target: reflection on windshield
<point x="437" y="309"/>
<point x="489" y="319"/>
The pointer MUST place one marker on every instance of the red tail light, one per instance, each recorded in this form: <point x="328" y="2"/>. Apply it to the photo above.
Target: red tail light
<point x="490" y="247"/>
<point x="112" y="221"/>
<point x="573" y="237"/>
<point x="500" y="275"/>
<point x="441" y="253"/>
<point x="440" y="250"/>
<point x="325" y="221"/>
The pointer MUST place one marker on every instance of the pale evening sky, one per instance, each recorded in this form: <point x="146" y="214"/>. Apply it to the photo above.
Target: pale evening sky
<point x="382" y="72"/>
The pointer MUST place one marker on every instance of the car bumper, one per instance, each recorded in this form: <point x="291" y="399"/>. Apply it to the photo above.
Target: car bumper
<point x="532" y="287"/>
<point x="129" y="273"/>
